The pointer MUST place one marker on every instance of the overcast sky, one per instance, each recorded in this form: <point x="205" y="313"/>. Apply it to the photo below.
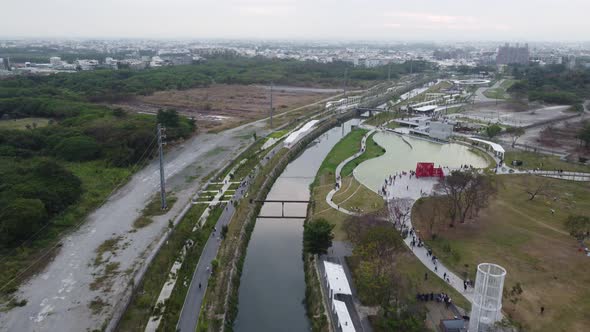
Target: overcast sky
<point x="511" y="20"/>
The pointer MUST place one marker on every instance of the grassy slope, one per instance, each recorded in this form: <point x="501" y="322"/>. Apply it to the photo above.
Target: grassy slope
<point x="373" y="151"/>
<point x="532" y="160"/>
<point x="325" y="180"/>
<point x="525" y="238"/>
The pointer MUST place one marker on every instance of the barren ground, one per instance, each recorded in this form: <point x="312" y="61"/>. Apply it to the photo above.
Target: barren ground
<point x="223" y="106"/>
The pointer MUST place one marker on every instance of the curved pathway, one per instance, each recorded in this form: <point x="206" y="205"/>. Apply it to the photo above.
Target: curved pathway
<point x="339" y="178"/>
<point x="409" y="188"/>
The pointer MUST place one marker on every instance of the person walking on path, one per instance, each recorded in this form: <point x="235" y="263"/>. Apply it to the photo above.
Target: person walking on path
<point x="199" y="285"/>
<point x="542" y="310"/>
<point x="425" y="275"/>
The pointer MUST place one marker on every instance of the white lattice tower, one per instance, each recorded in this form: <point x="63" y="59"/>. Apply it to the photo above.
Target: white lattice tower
<point x="486" y="308"/>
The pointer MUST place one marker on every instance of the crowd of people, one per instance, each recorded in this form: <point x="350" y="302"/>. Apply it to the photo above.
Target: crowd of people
<point x="438" y="297"/>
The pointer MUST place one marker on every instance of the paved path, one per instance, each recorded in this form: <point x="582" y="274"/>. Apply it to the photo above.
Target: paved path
<point x="409" y="187"/>
<point x="480" y="97"/>
<point x="191" y="309"/>
<point x="339" y="178"/>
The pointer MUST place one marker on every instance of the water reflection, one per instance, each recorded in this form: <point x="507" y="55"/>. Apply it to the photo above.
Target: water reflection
<point x="272" y="287"/>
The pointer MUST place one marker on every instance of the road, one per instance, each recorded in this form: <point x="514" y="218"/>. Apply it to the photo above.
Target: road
<point x="71" y="293"/>
<point x="59" y="298"/>
<point x="191" y="309"/>
<point x="480" y="97"/>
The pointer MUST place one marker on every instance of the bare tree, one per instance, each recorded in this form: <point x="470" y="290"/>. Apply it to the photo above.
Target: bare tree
<point x="466" y="192"/>
<point x="400" y="210"/>
<point x="515" y="133"/>
<point x="537" y="186"/>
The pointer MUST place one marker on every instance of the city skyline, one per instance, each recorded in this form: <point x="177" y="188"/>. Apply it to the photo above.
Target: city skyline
<point x="347" y="20"/>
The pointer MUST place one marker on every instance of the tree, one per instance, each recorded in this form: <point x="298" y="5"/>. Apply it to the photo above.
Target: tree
<point x="493" y="130"/>
<point x="78" y="148"/>
<point x="399" y="210"/>
<point x="515" y="133"/>
<point x="578" y="226"/>
<point x="317" y="236"/>
<point x="431" y="210"/>
<point x="584" y="135"/>
<point x="466" y="193"/>
<point x="514" y="295"/>
<point x="20" y="219"/>
<point x="536" y="186"/>
<point x="168" y="118"/>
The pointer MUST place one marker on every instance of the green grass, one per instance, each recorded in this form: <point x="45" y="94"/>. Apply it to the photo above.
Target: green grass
<point x="137" y="314"/>
<point x="21" y="124"/>
<point x="278" y="133"/>
<point x="346" y="147"/>
<point x="532" y="160"/>
<point x="373" y="151"/>
<point x="529" y="241"/>
<point x="501" y="91"/>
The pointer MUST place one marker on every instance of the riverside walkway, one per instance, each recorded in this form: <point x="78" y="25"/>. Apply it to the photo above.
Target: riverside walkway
<point x="405" y="187"/>
<point x="339" y="177"/>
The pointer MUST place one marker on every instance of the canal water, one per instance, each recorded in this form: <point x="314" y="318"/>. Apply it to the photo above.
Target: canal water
<point x="272" y="286"/>
<point x="403" y="155"/>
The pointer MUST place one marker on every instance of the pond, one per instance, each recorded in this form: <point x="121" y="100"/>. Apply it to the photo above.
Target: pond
<point x="402" y="154"/>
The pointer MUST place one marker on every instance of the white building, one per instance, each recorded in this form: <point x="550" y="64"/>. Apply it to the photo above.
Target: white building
<point x="55" y="61"/>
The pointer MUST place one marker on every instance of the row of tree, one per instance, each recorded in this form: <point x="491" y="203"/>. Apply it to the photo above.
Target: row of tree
<point x="552" y="83"/>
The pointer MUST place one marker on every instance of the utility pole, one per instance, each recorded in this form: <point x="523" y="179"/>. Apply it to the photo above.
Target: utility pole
<point x="161" y="137"/>
<point x="345" y="75"/>
<point x="389" y="73"/>
<point x="270" y="105"/>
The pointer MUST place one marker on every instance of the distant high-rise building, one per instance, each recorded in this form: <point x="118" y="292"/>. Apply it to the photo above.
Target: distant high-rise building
<point x="512" y="54"/>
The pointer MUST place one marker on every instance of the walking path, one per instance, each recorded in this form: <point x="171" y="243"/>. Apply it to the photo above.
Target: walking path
<point x="191" y="309"/>
<point x="339" y="178"/>
<point x="410" y="187"/>
<point x="166" y="291"/>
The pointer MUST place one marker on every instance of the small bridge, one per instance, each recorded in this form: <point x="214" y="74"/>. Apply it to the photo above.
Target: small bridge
<point x="362" y="110"/>
<point x="282" y="202"/>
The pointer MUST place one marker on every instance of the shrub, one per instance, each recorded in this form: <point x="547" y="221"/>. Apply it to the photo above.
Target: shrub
<point x="78" y="148"/>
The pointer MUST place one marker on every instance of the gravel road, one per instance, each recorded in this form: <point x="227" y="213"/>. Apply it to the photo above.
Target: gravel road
<point x="73" y="293"/>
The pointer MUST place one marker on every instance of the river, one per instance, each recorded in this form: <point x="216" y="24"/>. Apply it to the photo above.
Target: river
<point x="272" y="286"/>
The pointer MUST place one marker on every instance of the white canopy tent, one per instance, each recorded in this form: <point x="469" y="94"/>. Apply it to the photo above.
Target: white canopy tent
<point x="296" y="134"/>
<point x="344" y="321"/>
<point x="497" y="148"/>
<point x="337" y="281"/>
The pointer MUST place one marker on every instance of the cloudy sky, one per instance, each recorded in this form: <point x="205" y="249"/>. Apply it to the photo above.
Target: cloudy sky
<point x="530" y="20"/>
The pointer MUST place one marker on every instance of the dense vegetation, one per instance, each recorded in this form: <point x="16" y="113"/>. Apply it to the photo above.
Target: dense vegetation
<point x="552" y="83"/>
<point x="105" y="85"/>
<point x="36" y="179"/>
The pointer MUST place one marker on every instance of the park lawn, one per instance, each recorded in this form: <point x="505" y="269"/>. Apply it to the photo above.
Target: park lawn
<point x="21" y="124"/>
<point x="532" y="244"/>
<point x="501" y="91"/>
<point x="357" y="197"/>
<point x="496" y="93"/>
<point x="325" y="181"/>
<point x="532" y="160"/>
<point x="373" y="150"/>
<point x="346" y="147"/>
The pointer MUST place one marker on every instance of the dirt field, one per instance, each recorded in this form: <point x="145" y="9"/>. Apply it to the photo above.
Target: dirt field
<point x="223" y="106"/>
<point x="512" y="114"/>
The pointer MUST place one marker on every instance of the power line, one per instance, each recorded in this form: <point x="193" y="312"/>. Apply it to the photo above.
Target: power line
<point x="49" y="250"/>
